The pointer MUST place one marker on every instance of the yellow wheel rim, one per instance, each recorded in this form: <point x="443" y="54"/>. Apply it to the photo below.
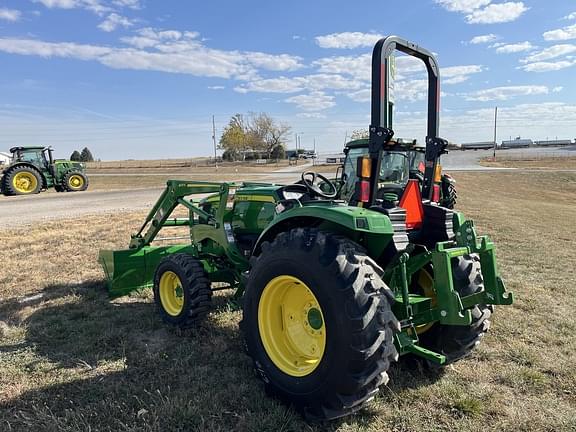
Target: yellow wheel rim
<point x="25" y="182"/>
<point x="171" y="293"/>
<point x="291" y="326"/>
<point x="426" y="283"/>
<point x="75" y="181"/>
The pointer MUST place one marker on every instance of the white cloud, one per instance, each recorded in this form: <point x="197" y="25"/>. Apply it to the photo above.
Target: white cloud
<point x="95" y="6"/>
<point x="315" y="101"/>
<point x="173" y="52"/>
<point x="311" y="115"/>
<point x="10" y="14"/>
<point x="132" y="4"/>
<point x="497" y="13"/>
<point x="216" y="87"/>
<point x="570" y="16"/>
<point x="62" y="4"/>
<point x="453" y="71"/>
<point x="557" y="89"/>
<point x="550" y="53"/>
<point x="505" y="93"/>
<point x="357" y="66"/>
<point x="564" y="33"/>
<point x="348" y="40"/>
<point x="113" y="21"/>
<point x="360" y="66"/>
<point x="547" y="66"/>
<point x="463" y="5"/>
<point x="295" y="84"/>
<point x="484" y="11"/>
<point x="274" y="62"/>
<point x="482" y="39"/>
<point x="515" y="48"/>
<point x="363" y="95"/>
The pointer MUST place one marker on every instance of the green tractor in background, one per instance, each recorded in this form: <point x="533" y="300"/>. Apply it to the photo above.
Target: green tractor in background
<point x="334" y="287"/>
<point x="34" y="169"/>
<point x="398" y="167"/>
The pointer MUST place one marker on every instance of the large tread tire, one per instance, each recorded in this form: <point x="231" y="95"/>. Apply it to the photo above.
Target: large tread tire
<point x="457" y="342"/>
<point x="68" y="185"/>
<point x="360" y="324"/>
<point x="8" y="179"/>
<point x="195" y="285"/>
<point x="449" y="195"/>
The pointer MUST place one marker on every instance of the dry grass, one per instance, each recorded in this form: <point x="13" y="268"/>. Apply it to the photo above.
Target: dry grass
<point x="73" y="360"/>
<point x="564" y="162"/>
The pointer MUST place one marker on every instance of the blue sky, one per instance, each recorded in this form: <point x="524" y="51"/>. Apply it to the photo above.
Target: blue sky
<point x="142" y="78"/>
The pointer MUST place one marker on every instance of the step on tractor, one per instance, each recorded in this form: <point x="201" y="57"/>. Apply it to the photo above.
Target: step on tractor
<point x="406" y="162"/>
<point x="33" y="169"/>
<point x="333" y="289"/>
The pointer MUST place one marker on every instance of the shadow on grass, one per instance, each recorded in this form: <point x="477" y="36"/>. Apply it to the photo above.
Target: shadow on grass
<point x="103" y="365"/>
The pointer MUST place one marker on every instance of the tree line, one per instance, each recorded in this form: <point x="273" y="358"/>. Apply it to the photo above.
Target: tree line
<point x="256" y="135"/>
<point x="83" y="156"/>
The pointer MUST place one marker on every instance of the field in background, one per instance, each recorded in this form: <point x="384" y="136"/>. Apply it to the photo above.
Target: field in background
<point x="201" y="163"/>
<point x="72" y="360"/>
<point x="560" y="162"/>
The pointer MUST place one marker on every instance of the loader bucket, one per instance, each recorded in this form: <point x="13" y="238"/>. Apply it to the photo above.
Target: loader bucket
<point x="125" y="270"/>
<point x="133" y="269"/>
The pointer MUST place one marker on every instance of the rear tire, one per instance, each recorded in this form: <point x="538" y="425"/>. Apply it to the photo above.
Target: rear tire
<point x="75" y="181"/>
<point x="22" y="180"/>
<point x="354" y="313"/>
<point x="182" y="290"/>
<point x="457" y="342"/>
<point x="449" y="195"/>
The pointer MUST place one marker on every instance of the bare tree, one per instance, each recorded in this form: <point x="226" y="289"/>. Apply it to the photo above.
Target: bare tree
<point x="266" y="133"/>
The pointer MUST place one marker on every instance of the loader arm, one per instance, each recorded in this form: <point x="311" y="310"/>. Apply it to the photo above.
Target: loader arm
<point x="175" y="193"/>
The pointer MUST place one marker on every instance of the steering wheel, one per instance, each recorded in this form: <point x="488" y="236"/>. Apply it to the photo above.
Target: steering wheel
<point x="312" y="187"/>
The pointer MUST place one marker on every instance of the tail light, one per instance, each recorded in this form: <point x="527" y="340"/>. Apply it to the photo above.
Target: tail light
<point x="363" y="191"/>
<point x="436" y="193"/>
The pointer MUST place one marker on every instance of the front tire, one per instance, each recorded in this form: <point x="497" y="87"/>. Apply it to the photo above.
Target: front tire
<point x="75" y="181"/>
<point x="182" y="290"/>
<point x="318" y="323"/>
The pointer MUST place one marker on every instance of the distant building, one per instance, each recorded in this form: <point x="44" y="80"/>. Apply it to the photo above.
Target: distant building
<point x="556" y="142"/>
<point x="5" y="158"/>
<point x="477" y="145"/>
<point x="517" y="142"/>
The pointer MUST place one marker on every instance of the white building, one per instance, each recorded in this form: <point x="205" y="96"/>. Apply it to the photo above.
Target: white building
<point x="5" y="158"/>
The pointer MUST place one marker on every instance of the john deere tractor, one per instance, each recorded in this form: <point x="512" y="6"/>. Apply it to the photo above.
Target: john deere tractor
<point x="333" y="289"/>
<point x="34" y="169"/>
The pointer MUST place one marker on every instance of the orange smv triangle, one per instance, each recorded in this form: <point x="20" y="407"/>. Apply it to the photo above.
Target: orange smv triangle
<point x="412" y="202"/>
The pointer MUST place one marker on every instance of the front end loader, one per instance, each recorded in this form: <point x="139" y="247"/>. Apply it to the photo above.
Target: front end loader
<point x="333" y="288"/>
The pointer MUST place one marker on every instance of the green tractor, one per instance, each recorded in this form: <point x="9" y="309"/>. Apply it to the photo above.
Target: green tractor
<point x="406" y="162"/>
<point x="34" y="169"/>
<point x="333" y="289"/>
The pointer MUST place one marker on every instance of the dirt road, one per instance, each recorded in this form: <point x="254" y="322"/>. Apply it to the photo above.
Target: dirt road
<point x="28" y="209"/>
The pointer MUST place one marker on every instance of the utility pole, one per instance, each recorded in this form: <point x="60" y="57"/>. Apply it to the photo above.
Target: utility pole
<point x="345" y="138"/>
<point x="314" y="156"/>
<point x="214" y="140"/>
<point x="495" y="126"/>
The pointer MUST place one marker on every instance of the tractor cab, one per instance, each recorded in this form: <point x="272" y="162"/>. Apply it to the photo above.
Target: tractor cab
<point x="397" y="168"/>
<point x="38" y="156"/>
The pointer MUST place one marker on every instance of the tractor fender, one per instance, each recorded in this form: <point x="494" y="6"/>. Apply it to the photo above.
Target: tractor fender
<point x="28" y="165"/>
<point x="369" y="228"/>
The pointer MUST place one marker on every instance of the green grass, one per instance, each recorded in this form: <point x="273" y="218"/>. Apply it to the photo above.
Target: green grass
<point x="72" y="360"/>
